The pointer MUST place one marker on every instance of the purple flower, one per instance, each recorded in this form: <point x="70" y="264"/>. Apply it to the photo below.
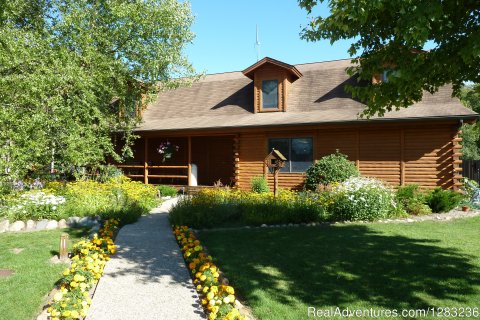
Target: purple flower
<point x="18" y="185"/>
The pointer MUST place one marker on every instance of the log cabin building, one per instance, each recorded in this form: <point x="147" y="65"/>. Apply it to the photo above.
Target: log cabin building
<point x="225" y="124"/>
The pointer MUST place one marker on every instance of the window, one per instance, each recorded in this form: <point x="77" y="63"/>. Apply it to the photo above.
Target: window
<point x="270" y="94"/>
<point x="298" y="151"/>
<point x="387" y="73"/>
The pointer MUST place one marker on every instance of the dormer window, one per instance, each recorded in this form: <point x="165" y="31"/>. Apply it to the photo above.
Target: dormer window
<point x="272" y="80"/>
<point x="270" y="94"/>
<point x="388" y="73"/>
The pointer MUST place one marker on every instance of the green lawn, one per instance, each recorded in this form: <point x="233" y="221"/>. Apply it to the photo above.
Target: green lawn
<point x="23" y="294"/>
<point x="280" y="272"/>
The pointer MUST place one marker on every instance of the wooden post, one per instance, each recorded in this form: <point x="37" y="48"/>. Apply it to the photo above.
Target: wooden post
<point x="402" y="157"/>
<point x="456" y="160"/>
<point x="275" y="182"/>
<point x="236" y="161"/>
<point x="189" y="160"/>
<point x="63" y="252"/>
<point x="357" y="149"/>
<point x="145" y="165"/>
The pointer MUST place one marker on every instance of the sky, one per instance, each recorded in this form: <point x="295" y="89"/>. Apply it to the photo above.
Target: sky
<point x="225" y="34"/>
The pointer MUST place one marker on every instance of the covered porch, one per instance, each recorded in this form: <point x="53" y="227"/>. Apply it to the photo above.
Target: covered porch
<point x="194" y="160"/>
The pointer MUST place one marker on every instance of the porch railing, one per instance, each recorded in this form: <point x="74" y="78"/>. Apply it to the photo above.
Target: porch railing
<point x="146" y="175"/>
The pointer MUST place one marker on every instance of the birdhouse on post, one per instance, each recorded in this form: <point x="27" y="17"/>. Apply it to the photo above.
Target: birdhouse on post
<point x="274" y="162"/>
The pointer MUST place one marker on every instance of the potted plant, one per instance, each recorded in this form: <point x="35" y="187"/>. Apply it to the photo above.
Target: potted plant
<point x="166" y="150"/>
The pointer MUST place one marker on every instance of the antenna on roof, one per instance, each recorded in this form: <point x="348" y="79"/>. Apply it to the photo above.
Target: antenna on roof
<point x="257" y="45"/>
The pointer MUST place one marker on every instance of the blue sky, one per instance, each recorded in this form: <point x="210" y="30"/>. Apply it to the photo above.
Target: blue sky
<point x="225" y="34"/>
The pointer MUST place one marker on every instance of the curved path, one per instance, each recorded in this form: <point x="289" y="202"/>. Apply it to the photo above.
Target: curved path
<point x="147" y="277"/>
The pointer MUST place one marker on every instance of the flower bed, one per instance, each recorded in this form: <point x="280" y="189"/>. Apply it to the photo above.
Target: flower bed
<point x="117" y="198"/>
<point x="218" y="299"/>
<point x="218" y="207"/>
<point x="89" y="257"/>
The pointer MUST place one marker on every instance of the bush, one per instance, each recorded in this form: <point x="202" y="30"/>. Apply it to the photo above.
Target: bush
<point x="34" y="205"/>
<point x="260" y="184"/>
<point x="167" y="191"/>
<point x="224" y="207"/>
<point x="440" y="200"/>
<point x="412" y="200"/>
<point x="332" y="168"/>
<point x="360" y="198"/>
<point x="118" y="198"/>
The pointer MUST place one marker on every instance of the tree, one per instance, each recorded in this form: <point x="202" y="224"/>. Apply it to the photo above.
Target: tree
<point x="470" y="96"/>
<point x="68" y="68"/>
<point x="393" y="34"/>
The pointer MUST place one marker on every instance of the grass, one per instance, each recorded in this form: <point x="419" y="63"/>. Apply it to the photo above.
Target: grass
<point x="22" y="295"/>
<point x="281" y="272"/>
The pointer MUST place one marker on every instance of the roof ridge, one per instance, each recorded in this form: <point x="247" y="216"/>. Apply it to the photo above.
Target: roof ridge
<point x="319" y="62"/>
<point x="299" y="64"/>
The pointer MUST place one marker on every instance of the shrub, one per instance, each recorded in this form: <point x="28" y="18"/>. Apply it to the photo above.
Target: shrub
<point x="332" y="168"/>
<point x="418" y="208"/>
<point x="440" y="200"/>
<point x="412" y="200"/>
<point x="360" y="198"/>
<point x="34" y="205"/>
<point x="260" y="184"/>
<point x="100" y="173"/>
<point x="118" y="198"/>
<point x="202" y="215"/>
<point x="220" y="207"/>
<point x="167" y="191"/>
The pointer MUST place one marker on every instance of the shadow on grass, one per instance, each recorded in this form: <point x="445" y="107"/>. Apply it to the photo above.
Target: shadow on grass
<point x="342" y="266"/>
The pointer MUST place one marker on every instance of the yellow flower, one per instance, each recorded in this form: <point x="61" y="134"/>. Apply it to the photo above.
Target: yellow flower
<point x="66" y="272"/>
<point x="229" y="290"/>
<point x="58" y="296"/>
<point x="79" y="278"/>
<point x="73" y="284"/>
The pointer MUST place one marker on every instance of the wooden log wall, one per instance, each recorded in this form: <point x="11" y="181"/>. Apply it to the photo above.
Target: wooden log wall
<point x="428" y="155"/>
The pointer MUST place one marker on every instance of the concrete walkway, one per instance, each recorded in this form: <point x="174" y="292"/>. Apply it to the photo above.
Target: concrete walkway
<point x="147" y="277"/>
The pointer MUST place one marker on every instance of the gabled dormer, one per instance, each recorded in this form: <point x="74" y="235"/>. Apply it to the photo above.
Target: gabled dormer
<point x="272" y="80"/>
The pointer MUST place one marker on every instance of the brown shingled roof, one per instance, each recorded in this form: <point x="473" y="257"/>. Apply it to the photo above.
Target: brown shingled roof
<point x="226" y="101"/>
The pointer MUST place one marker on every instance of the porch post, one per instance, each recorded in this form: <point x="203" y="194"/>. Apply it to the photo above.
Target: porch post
<point x="189" y="159"/>
<point x="145" y="164"/>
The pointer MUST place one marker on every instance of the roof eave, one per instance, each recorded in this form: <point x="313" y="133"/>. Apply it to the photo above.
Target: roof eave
<point x="250" y="71"/>
<point x="472" y="118"/>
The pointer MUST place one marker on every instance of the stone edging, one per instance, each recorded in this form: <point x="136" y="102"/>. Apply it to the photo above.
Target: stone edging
<point x="45" y="224"/>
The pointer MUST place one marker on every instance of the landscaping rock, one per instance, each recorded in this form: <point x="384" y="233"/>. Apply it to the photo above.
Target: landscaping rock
<point x="85" y="222"/>
<point x="30" y="225"/>
<point x="41" y="225"/>
<point x="52" y="224"/>
<point x="4" y="226"/>
<point x="264" y="225"/>
<point x="62" y="224"/>
<point x="17" y="226"/>
<point x="72" y="221"/>
<point x="96" y="226"/>
<point x="410" y="220"/>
